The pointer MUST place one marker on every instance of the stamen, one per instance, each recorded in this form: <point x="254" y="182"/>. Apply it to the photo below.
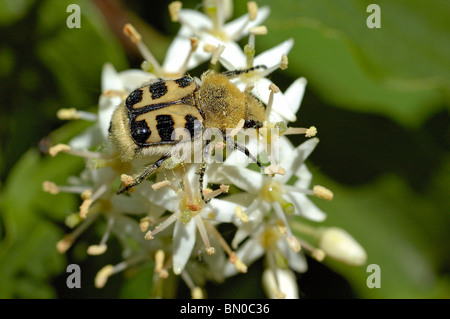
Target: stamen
<point x="210" y="48"/>
<point x="240" y="266"/>
<point x="233" y="258"/>
<point x="50" y="187"/>
<point x="107" y="271"/>
<point x="53" y="189"/>
<point x="216" y="53"/>
<point x="293" y="243"/>
<point x="252" y="8"/>
<point x="203" y="234"/>
<point x="249" y="87"/>
<point x="238" y="211"/>
<point x="54" y="150"/>
<point x="236" y="130"/>
<point x="284" y="62"/>
<point x="318" y="254"/>
<point x="74" y="114"/>
<point x="196" y="292"/>
<point x="162" y="184"/>
<point x="66" y="242"/>
<point x="136" y="38"/>
<point x="273" y="169"/>
<point x="273" y="89"/>
<point x="194" y="45"/>
<point x="101" y="247"/>
<point x="95" y="250"/>
<point x="84" y="207"/>
<point x="309" y="132"/>
<point x="174" y="8"/>
<point x="323" y="192"/>
<point x="211" y="194"/>
<point x="188" y="190"/>
<point x="159" y="264"/>
<point x="171" y="219"/>
<point x="102" y="276"/>
<point x="144" y="223"/>
<point x="259" y="30"/>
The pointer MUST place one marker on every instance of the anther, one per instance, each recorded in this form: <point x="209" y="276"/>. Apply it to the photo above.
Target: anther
<point x="322" y="192"/>
<point x="238" y="211"/>
<point x="174" y="8"/>
<point x="252" y="8"/>
<point x="96" y="250"/>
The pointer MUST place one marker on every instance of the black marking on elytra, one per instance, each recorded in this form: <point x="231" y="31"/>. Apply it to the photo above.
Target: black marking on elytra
<point x="193" y="125"/>
<point x="134" y="98"/>
<point x="140" y="131"/>
<point x="165" y="124"/>
<point x="184" y="81"/>
<point x="158" y="89"/>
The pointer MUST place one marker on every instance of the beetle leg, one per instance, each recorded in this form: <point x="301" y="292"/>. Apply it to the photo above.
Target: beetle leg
<point x="149" y="170"/>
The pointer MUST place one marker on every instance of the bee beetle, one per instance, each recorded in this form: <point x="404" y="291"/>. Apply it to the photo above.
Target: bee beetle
<point x="142" y="125"/>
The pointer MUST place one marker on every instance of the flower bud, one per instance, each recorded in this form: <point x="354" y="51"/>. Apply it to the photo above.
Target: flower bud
<point x="340" y="245"/>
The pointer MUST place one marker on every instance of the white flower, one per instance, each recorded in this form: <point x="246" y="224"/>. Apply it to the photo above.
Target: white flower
<point x="189" y="215"/>
<point x="267" y="240"/>
<point x="266" y="190"/>
<point x="262" y="194"/>
<point x="210" y="31"/>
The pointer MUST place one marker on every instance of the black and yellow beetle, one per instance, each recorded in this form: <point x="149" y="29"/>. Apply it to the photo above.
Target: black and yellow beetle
<point x="142" y="126"/>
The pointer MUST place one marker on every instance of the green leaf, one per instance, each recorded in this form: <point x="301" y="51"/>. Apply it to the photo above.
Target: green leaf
<point x="28" y="256"/>
<point x="405" y="234"/>
<point x="400" y="70"/>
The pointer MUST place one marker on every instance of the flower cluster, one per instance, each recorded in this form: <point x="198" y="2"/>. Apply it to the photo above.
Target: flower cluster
<point x="166" y="218"/>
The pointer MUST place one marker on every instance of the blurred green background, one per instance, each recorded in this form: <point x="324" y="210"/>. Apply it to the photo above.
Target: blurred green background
<point x="379" y="98"/>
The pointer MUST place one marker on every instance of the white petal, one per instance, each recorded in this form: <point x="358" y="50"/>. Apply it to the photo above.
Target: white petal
<point x="250" y="251"/>
<point x="164" y="197"/>
<point x="272" y="57"/>
<point x="243" y="178"/>
<point x="195" y="18"/>
<point x="183" y="243"/>
<point x="233" y="58"/>
<point x="304" y="178"/>
<point x="107" y="105"/>
<point x="223" y="210"/>
<point x="88" y="138"/>
<point x="287" y="283"/>
<point x="294" y="94"/>
<point x="298" y="156"/>
<point x="305" y="207"/>
<point x="178" y="51"/>
<point x="232" y="27"/>
<point x="296" y="261"/>
<point x="134" y="78"/>
<point x="280" y="103"/>
<point x="110" y="78"/>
